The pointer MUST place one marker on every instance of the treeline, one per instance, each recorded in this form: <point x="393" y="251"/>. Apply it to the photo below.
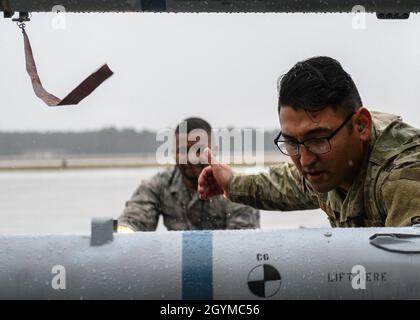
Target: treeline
<point x="105" y="141"/>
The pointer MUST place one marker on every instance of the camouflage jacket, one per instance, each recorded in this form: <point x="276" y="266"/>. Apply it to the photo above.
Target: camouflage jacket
<point x="166" y="194"/>
<point x="386" y="191"/>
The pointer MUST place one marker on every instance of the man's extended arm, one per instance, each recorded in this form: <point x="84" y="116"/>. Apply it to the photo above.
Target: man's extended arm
<point x="280" y="189"/>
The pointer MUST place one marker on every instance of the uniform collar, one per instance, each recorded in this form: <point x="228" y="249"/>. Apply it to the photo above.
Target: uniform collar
<point x="387" y="143"/>
<point x="177" y="183"/>
<point x="354" y="205"/>
<point x="178" y="187"/>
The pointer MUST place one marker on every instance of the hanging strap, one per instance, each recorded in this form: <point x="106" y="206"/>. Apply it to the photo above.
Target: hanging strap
<point x="78" y="94"/>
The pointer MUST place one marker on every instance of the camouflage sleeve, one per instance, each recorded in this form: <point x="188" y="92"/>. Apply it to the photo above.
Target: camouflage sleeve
<point x="281" y="189"/>
<point x="239" y="216"/>
<point x="401" y="197"/>
<point x="142" y="211"/>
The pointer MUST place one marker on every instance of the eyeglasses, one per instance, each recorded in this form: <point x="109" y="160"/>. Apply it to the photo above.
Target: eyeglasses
<point x="320" y="145"/>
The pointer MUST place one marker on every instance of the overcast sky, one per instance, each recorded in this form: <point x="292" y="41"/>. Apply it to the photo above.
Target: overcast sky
<point x="222" y="67"/>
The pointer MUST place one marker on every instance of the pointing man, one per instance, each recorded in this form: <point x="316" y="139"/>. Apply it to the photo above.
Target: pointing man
<point x="362" y="168"/>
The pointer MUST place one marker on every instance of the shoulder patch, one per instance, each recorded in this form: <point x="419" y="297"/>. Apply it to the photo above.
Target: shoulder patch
<point x="405" y="173"/>
<point x="410" y="174"/>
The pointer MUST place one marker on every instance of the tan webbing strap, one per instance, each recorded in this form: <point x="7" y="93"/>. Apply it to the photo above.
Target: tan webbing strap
<point x="74" y="97"/>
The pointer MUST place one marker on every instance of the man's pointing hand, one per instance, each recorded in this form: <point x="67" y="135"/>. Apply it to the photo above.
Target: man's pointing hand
<point x="215" y="178"/>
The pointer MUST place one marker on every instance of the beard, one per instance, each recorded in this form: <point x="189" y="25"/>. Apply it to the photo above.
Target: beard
<point x="191" y="172"/>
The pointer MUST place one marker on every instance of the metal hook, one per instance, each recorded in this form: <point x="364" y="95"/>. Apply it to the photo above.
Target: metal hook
<point x="21" y="25"/>
<point x="23" y="17"/>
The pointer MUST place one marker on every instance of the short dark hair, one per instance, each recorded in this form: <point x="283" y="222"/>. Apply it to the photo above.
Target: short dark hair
<point x="195" y="123"/>
<point x="316" y="83"/>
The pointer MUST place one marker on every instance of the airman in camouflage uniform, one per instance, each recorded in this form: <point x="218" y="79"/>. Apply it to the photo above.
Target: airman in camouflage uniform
<point x="364" y="175"/>
<point x="173" y="195"/>
<point x="166" y="194"/>
<point x="386" y="191"/>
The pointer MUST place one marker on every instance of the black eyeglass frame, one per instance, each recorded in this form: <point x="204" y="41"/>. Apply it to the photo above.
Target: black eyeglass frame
<point x="327" y="138"/>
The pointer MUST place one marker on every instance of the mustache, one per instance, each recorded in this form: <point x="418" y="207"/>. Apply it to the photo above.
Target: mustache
<point x="184" y="167"/>
<point x="192" y="165"/>
<point x="311" y="169"/>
